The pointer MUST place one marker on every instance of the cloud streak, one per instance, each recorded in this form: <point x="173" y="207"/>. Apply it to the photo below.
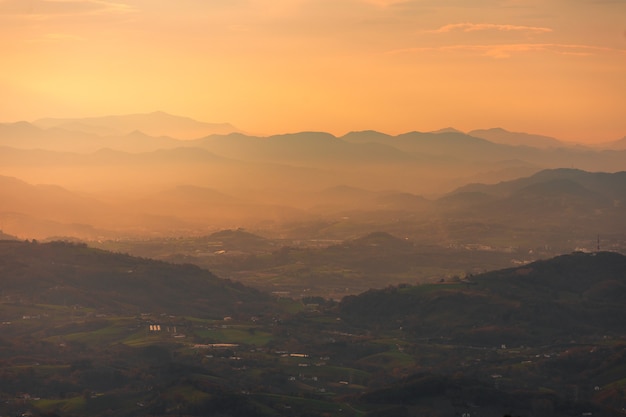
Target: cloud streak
<point x="476" y="27"/>
<point x="507" y="50"/>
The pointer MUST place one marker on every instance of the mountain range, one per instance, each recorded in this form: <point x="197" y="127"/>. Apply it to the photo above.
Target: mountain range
<point x="114" y="179"/>
<point x="163" y="126"/>
<point x="499" y="135"/>
<point x="312" y="160"/>
<point x="573" y="202"/>
<point x="155" y="124"/>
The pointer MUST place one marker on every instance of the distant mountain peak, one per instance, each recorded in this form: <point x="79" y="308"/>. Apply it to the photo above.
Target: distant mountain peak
<point x="505" y="137"/>
<point x="380" y="238"/>
<point x="619" y="144"/>
<point x="235" y="234"/>
<point x="158" y="123"/>
<point x="447" y="130"/>
<point x="19" y="126"/>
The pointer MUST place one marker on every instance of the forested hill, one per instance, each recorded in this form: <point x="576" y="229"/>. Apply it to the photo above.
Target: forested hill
<point x="5" y="236"/>
<point x="566" y="298"/>
<point x="73" y="274"/>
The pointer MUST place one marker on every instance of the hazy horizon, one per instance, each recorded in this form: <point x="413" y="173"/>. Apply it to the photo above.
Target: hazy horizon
<point x="555" y="69"/>
<point x="206" y="128"/>
<point x="342" y="109"/>
<point x="105" y="180"/>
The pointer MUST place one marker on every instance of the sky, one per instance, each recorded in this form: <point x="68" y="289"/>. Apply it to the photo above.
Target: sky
<point x="552" y="67"/>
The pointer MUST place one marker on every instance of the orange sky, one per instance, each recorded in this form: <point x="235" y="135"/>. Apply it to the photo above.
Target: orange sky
<point x="553" y="67"/>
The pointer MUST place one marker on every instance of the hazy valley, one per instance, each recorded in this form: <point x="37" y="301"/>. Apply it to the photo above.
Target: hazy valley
<point x="427" y="273"/>
<point x="139" y="185"/>
<point x="481" y="199"/>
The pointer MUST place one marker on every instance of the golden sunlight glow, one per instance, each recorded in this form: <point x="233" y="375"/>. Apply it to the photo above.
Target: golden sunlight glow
<point x="282" y="66"/>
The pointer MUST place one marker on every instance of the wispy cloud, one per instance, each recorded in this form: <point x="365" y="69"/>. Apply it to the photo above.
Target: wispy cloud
<point x="475" y="27"/>
<point x="507" y="50"/>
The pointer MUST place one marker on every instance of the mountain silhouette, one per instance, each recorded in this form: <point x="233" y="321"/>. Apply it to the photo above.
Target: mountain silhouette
<point x="73" y="274"/>
<point x="154" y="124"/>
<point x="499" y="135"/>
<point x="570" y="296"/>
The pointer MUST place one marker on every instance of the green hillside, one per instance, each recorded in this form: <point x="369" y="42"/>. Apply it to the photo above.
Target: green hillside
<point x="64" y="273"/>
<point x="569" y="297"/>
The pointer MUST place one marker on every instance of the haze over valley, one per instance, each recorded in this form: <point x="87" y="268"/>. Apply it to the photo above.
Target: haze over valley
<point x="175" y="274"/>
<point x="136" y="184"/>
<point x="484" y="202"/>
